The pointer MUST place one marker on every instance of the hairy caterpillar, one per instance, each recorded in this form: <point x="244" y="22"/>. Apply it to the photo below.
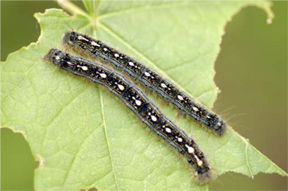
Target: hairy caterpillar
<point x="150" y="78"/>
<point x="139" y="104"/>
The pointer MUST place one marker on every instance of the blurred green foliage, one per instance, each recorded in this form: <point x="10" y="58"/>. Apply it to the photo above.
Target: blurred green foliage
<point x="251" y="73"/>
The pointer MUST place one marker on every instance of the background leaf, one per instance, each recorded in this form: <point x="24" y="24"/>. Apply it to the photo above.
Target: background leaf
<point x="72" y="125"/>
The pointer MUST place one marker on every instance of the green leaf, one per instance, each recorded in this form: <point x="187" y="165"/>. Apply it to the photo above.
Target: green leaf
<point x="84" y="137"/>
<point x="91" y="6"/>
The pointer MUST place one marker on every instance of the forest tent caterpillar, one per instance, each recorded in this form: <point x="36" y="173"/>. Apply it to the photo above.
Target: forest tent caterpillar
<point x="150" y="78"/>
<point x="139" y="104"/>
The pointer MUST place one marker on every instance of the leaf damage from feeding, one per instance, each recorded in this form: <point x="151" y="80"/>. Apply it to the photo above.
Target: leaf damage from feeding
<point x="62" y="116"/>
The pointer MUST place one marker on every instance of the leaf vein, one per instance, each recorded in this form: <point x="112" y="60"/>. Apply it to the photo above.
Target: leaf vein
<point x="106" y="137"/>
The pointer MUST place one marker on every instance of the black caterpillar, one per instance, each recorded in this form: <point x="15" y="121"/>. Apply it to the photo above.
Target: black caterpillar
<point x="139" y="104"/>
<point x="104" y="53"/>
